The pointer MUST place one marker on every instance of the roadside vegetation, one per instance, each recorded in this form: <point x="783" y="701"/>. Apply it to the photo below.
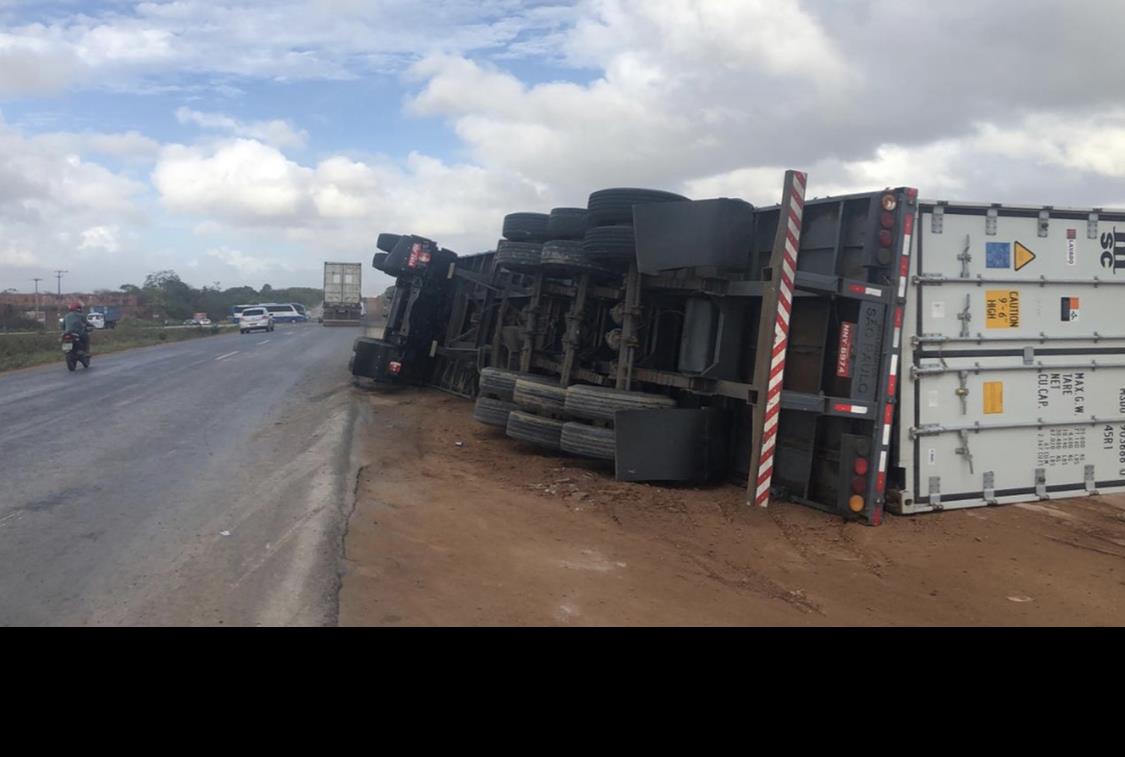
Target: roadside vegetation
<point x="26" y="350"/>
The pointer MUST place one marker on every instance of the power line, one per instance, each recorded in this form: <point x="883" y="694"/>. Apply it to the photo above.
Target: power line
<point x="59" y="275"/>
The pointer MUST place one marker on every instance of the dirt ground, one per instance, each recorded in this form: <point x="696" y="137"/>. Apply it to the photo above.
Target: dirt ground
<point x="494" y="532"/>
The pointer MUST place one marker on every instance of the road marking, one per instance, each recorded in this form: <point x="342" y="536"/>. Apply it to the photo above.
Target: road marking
<point x="264" y="341"/>
<point x="224" y="357"/>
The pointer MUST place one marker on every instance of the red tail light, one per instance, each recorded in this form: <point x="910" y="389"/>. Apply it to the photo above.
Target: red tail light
<point x="859" y="484"/>
<point x="887" y="220"/>
<point x="394" y="367"/>
<point x="861" y="466"/>
<point x="885" y="238"/>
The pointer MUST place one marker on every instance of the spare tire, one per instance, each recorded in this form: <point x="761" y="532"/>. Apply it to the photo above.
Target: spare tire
<point x="615" y="206"/>
<point x="589" y="441"/>
<point x="599" y="403"/>
<point x="534" y="429"/>
<point x="387" y="242"/>
<point x="493" y="412"/>
<point x="539" y="397"/>
<point x="379" y="261"/>
<point x="525" y="227"/>
<point x="610" y="244"/>
<point x="518" y="256"/>
<point x="567" y="223"/>
<point x="499" y="383"/>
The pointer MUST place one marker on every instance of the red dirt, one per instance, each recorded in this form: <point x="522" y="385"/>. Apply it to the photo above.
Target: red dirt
<point x="495" y="532"/>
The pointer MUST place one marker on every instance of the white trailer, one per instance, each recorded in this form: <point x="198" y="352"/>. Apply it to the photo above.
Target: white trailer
<point x="343" y="300"/>
<point x="1013" y="350"/>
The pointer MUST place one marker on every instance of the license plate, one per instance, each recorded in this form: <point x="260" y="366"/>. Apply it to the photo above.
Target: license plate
<point x="67" y="347"/>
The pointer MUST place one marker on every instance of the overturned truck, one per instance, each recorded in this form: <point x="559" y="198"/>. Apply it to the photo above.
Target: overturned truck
<point x="706" y="340"/>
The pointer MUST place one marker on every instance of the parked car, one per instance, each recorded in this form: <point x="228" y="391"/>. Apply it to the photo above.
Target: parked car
<point x="253" y="319"/>
<point x="205" y="322"/>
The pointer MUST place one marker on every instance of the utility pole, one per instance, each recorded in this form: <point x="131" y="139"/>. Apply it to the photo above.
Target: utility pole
<point x="37" y="280"/>
<point x="59" y="275"/>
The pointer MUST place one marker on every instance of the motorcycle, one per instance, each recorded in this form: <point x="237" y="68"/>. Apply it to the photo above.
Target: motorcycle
<point x="74" y="350"/>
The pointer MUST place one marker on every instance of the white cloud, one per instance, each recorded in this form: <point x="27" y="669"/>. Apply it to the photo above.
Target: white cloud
<point x="277" y="132"/>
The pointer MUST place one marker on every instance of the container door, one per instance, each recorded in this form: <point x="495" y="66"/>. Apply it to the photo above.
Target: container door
<point x="1015" y="365"/>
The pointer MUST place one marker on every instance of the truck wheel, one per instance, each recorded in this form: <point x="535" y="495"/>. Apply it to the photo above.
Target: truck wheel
<point x="518" y="256"/>
<point x="525" y="227"/>
<point x="533" y="429"/>
<point x="589" y="441"/>
<point x="387" y="242"/>
<point x="493" y="412"/>
<point x="539" y="397"/>
<point x="615" y="206"/>
<point x="610" y="244"/>
<point x="599" y="403"/>
<point x="566" y="256"/>
<point x="567" y="223"/>
<point x="501" y="384"/>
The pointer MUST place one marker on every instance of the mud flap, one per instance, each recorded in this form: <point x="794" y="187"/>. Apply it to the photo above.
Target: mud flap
<point x="670" y="445"/>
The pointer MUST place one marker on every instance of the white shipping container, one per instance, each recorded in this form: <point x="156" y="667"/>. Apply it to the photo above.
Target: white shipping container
<point x="1014" y="357"/>
<point x="342" y="283"/>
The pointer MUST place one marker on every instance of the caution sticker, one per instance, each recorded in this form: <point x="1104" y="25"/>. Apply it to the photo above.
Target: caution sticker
<point x="1002" y="308"/>
<point x="993" y="397"/>
<point x="1023" y="256"/>
<point x="1069" y="309"/>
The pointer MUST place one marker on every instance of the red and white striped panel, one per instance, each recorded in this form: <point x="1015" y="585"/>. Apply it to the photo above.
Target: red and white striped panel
<point x="792" y="208"/>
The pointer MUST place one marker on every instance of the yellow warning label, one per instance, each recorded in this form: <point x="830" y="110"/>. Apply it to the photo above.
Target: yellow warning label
<point x="1023" y="256"/>
<point x="1002" y="308"/>
<point x="993" y="397"/>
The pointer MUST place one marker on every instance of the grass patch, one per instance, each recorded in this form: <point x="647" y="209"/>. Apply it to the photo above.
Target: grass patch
<point x="26" y="350"/>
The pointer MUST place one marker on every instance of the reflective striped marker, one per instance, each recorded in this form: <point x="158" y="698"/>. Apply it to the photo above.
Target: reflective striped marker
<point x="792" y="209"/>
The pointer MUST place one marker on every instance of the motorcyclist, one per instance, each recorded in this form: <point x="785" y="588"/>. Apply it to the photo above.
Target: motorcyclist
<point x="75" y="322"/>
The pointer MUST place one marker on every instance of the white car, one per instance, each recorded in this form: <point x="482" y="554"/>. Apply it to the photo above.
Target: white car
<point x="255" y="318"/>
<point x="205" y="322"/>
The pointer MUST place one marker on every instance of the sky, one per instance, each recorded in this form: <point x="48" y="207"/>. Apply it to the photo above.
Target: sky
<point x="248" y="142"/>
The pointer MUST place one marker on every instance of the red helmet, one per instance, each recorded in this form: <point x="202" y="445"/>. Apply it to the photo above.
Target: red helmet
<point x="75" y="307"/>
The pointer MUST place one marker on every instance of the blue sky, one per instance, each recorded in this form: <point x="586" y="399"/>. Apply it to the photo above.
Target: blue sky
<point x="246" y="142"/>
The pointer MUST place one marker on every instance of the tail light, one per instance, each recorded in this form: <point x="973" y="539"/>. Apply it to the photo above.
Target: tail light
<point x="887" y="220"/>
<point x="889" y="202"/>
<point x="885" y="238"/>
<point x="855" y="503"/>
<point x="860" y="466"/>
<point x="394" y="367"/>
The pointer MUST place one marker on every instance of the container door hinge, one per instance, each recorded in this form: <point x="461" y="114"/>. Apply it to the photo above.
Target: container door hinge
<point x="1092" y="226"/>
<point x="964" y="450"/>
<point x="990" y="487"/>
<point x="965" y="316"/>
<point x="1041" y="483"/>
<point x="963" y="390"/>
<point x="990" y="221"/>
<point x="935" y="492"/>
<point x="965" y="257"/>
<point x="1091" y="486"/>
<point x="1044" y="221"/>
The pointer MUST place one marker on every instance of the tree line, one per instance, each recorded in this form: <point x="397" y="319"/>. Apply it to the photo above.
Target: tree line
<point x="165" y="296"/>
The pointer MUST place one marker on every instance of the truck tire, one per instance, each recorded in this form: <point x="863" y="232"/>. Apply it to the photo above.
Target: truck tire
<point x="539" y="397"/>
<point x="519" y="256"/>
<point x="387" y="242"/>
<point x="493" y="412"/>
<point x="501" y="384"/>
<point x="567" y="223"/>
<point x="615" y="206"/>
<point x="610" y="244"/>
<point x="599" y="403"/>
<point x="534" y="429"/>
<point x="525" y="227"/>
<point x="379" y="261"/>
<point x="567" y="256"/>
<point x="589" y="441"/>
